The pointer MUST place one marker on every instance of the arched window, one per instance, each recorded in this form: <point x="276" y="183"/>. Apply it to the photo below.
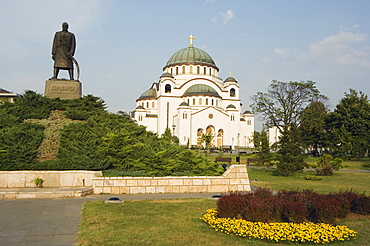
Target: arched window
<point x="184" y="115"/>
<point x="249" y="122"/>
<point x="206" y="101"/>
<point x="200" y="101"/>
<point x="191" y="69"/>
<point x="147" y="104"/>
<point x="167" y="88"/>
<point x="183" y="69"/>
<point x="153" y="105"/>
<point x="210" y="71"/>
<point x="198" y="70"/>
<point x="232" y="92"/>
<point x="232" y="118"/>
<point x="188" y="102"/>
<point x="193" y="101"/>
<point x="177" y="70"/>
<point x="205" y="71"/>
<point x="212" y="102"/>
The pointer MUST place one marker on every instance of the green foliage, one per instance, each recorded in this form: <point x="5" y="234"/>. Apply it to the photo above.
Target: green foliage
<point x="38" y="182"/>
<point x="350" y="125"/>
<point x="326" y="164"/>
<point x="264" y="156"/>
<point x="312" y="127"/>
<point x="282" y="106"/>
<point x="207" y="138"/>
<point x="313" y="178"/>
<point x="19" y="145"/>
<point x="290" y="154"/>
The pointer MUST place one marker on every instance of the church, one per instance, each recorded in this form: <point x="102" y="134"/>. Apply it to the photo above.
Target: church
<point x="191" y="99"/>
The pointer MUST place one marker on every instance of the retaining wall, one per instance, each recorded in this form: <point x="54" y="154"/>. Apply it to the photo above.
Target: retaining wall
<point x="234" y="179"/>
<point x="24" y="179"/>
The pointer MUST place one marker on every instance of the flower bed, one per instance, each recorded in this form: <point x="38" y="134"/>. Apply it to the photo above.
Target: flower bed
<point x="279" y="232"/>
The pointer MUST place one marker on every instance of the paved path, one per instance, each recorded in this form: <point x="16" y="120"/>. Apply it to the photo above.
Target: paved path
<point x="43" y="222"/>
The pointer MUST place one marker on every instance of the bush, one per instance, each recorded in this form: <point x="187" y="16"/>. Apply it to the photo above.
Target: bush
<point x="231" y="205"/>
<point x="291" y="206"/>
<point x="327" y="164"/>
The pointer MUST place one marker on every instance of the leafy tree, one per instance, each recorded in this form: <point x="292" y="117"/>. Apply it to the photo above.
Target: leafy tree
<point x="312" y="127"/>
<point x="207" y="138"/>
<point x="349" y="125"/>
<point x="282" y="106"/>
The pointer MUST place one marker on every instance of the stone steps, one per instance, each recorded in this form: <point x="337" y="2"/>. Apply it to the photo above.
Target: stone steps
<point x="32" y="193"/>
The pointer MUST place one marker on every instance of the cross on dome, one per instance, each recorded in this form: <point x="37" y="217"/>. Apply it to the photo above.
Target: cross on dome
<point x="191" y="40"/>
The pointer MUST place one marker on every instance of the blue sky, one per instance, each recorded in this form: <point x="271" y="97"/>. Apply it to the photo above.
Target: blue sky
<point x="123" y="45"/>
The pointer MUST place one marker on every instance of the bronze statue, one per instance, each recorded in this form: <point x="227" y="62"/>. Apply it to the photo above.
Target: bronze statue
<point x="64" y="46"/>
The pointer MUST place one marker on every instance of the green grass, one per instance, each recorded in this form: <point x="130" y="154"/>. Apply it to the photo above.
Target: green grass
<point x="151" y="222"/>
<point x="341" y="180"/>
<point x="171" y="222"/>
<point x="176" y="222"/>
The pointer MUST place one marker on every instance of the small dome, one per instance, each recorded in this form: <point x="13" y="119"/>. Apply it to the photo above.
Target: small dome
<point x="231" y="79"/>
<point x="149" y="94"/>
<point x="165" y="74"/>
<point x="247" y="112"/>
<point x="140" y="107"/>
<point x="201" y="90"/>
<point x="230" y="106"/>
<point x="184" y="104"/>
<point x="191" y="55"/>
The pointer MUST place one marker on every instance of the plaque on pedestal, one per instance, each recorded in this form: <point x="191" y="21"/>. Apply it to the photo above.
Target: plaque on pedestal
<point x="63" y="88"/>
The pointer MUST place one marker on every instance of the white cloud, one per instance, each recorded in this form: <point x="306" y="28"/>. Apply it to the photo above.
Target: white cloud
<point x="209" y="1"/>
<point x="266" y="60"/>
<point x="282" y="52"/>
<point x="356" y="26"/>
<point x="340" y="49"/>
<point x="227" y="16"/>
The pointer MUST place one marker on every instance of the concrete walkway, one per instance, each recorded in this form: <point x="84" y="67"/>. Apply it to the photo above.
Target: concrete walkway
<point x="43" y="222"/>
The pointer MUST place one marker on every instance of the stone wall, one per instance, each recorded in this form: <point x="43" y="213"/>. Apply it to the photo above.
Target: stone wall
<point x="24" y="179"/>
<point x="234" y="179"/>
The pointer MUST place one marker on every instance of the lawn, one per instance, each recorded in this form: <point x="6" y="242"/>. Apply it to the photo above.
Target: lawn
<point x="176" y="222"/>
<point x="171" y="222"/>
<point x="341" y="180"/>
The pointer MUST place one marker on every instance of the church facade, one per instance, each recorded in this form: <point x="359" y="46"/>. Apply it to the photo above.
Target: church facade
<point x="191" y="100"/>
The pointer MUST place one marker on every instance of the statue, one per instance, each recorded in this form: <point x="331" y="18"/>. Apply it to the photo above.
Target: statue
<point x="64" y="46"/>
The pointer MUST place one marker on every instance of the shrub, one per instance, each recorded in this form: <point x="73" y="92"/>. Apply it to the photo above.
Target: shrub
<point x="326" y="164"/>
<point x="231" y="205"/>
<point x="292" y="206"/>
<point x="361" y="205"/>
<point x="313" y="178"/>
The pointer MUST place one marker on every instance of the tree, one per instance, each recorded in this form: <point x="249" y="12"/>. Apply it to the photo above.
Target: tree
<point x="282" y="106"/>
<point x="349" y="125"/>
<point x="207" y="138"/>
<point x="264" y="156"/>
<point x="312" y="127"/>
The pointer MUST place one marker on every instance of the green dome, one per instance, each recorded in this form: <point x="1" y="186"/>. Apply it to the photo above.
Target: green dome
<point x="230" y="79"/>
<point x="149" y="94"/>
<point x="191" y="55"/>
<point x="201" y="90"/>
<point x="230" y="106"/>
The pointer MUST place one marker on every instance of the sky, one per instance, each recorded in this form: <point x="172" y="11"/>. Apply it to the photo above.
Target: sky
<point x="122" y="45"/>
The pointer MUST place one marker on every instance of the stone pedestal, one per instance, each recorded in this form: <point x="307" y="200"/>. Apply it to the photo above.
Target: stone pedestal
<point x="63" y="88"/>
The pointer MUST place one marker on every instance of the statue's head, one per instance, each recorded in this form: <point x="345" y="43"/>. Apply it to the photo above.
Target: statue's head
<point x="65" y="26"/>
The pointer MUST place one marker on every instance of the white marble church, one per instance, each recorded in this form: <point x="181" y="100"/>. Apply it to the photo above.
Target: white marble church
<point x="190" y="99"/>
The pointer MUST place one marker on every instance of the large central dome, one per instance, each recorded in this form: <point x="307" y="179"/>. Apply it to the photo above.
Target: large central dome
<point x="191" y="55"/>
